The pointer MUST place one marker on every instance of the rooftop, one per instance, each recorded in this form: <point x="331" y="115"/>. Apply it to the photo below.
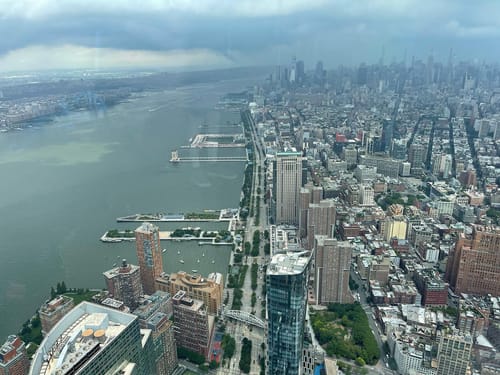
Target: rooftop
<point x="79" y="335"/>
<point x="289" y="263"/>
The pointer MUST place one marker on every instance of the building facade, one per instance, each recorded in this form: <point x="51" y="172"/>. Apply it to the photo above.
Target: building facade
<point x="332" y="263"/>
<point x="286" y="282"/>
<point x="193" y="326"/>
<point x="13" y="358"/>
<point x="474" y="265"/>
<point x="287" y="184"/>
<point x="453" y="354"/>
<point x="51" y="312"/>
<point x="149" y="254"/>
<point x="210" y="290"/>
<point x="93" y="339"/>
<point x="124" y="284"/>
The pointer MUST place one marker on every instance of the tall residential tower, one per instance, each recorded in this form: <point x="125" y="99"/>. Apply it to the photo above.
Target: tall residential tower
<point x="149" y="254"/>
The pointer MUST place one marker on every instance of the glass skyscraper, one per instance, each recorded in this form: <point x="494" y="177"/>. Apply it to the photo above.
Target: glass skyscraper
<point x="286" y="283"/>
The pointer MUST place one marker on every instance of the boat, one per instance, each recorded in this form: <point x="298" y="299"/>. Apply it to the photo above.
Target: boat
<point x="194" y="271"/>
<point x="203" y="254"/>
<point x="198" y="261"/>
<point x="213" y="261"/>
<point x="174" y="158"/>
<point x="181" y="261"/>
<point x="178" y="251"/>
<point x="164" y="250"/>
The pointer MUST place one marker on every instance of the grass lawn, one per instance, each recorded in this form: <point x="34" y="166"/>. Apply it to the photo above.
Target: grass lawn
<point x="80" y="297"/>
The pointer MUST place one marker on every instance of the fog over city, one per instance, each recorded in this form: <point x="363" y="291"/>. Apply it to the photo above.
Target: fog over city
<point x="193" y="34"/>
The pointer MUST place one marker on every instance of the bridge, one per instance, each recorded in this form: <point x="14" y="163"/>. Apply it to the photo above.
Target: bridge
<point x="245" y="317"/>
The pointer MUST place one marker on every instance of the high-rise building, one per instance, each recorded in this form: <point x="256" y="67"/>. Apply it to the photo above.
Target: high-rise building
<point x="366" y="195"/>
<point x="453" y="354"/>
<point x="332" y="262"/>
<point x="210" y="290"/>
<point x="416" y="156"/>
<point x="124" y="284"/>
<point x="474" y="264"/>
<point x="320" y="220"/>
<point x="149" y="254"/>
<point x="13" y="358"/>
<point x="51" y="312"/>
<point x="286" y="282"/>
<point x="193" y="326"/>
<point x="287" y="183"/>
<point x="154" y="315"/>
<point x="93" y="339"/>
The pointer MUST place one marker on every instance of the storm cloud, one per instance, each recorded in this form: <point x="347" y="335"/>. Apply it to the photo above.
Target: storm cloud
<point x="165" y="34"/>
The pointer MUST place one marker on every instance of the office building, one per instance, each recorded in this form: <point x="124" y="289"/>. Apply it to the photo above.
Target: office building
<point x="366" y="195"/>
<point x="453" y="354"/>
<point x="307" y="195"/>
<point x="149" y="254"/>
<point x="474" y="264"/>
<point x="13" y="358"/>
<point x="286" y="283"/>
<point x="93" y="339"/>
<point x="124" y="284"/>
<point x="287" y="183"/>
<point x="320" y="220"/>
<point x="51" y="312"/>
<point x="154" y="314"/>
<point x="193" y="326"/>
<point x="210" y="290"/>
<point x="332" y="263"/>
<point x="395" y="227"/>
<point x="416" y="156"/>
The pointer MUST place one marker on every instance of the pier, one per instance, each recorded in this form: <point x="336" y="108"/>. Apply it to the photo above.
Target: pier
<point x="192" y="159"/>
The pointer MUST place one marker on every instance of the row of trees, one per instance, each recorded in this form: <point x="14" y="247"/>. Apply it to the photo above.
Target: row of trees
<point x="246" y="356"/>
<point x="255" y="243"/>
<point x="228" y="345"/>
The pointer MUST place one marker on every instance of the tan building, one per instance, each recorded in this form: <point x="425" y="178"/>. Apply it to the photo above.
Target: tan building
<point x="474" y="265"/>
<point x="51" y="312"/>
<point x="395" y="227"/>
<point x="331" y="277"/>
<point x="149" y="255"/>
<point x="193" y="325"/>
<point x="210" y="290"/>
<point x="454" y="352"/>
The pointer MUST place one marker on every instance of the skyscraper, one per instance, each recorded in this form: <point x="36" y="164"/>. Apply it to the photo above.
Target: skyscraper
<point x="453" y="354"/>
<point x="124" y="283"/>
<point x="474" y="264"/>
<point x="287" y="184"/>
<point x="93" y="339"/>
<point x="149" y="254"/>
<point x="286" y="282"/>
<point x="13" y="358"/>
<point x="332" y="264"/>
<point x="320" y="220"/>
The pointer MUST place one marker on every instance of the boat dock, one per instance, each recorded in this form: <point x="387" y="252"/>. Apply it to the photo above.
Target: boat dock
<point x="207" y="158"/>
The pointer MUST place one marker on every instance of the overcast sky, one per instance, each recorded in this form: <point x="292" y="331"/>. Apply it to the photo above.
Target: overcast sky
<point x="103" y="34"/>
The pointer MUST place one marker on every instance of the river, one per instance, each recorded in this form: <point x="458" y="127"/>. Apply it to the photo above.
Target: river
<point x="64" y="184"/>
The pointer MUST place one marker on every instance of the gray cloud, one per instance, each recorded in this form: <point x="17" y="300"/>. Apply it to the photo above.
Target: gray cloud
<point x="259" y="32"/>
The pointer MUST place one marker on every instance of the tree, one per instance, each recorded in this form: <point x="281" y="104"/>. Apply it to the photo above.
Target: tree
<point x="53" y="293"/>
